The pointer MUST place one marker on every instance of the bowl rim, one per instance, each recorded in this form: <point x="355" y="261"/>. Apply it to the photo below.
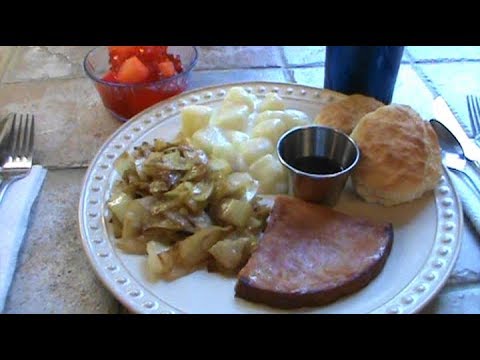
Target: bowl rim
<point x="312" y="175"/>
<point x="186" y="71"/>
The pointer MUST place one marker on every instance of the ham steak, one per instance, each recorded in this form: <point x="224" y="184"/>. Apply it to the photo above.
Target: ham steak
<point x="311" y="255"/>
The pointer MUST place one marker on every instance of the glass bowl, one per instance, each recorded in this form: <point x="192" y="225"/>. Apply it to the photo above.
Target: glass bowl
<point x="126" y="100"/>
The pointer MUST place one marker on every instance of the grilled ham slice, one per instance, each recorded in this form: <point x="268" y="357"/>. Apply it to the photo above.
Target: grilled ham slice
<point x="311" y="255"/>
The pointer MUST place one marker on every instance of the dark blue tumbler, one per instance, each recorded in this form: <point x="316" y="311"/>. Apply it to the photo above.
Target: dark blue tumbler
<point x="367" y="70"/>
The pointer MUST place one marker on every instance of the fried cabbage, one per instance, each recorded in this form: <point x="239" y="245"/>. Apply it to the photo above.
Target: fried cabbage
<point x="173" y="194"/>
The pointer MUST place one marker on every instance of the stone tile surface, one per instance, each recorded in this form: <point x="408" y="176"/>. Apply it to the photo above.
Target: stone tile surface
<point x="5" y="52"/>
<point x="304" y="55"/>
<point x="53" y="273"/>
<point x="313" y="76"/>
<point x="436" y="53"/>
<point x="218" y="77"/>
<point x="230" y="57"/>
<point x="46" y="62"/>
<point x="455" y="301"/>
<point x="454" y="82"/>
<point x="71" y="121"/>
<point x="411" y="90"/>
<point x="467" y="267"/>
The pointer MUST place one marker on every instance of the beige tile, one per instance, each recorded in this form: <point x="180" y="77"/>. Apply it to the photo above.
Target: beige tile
<point x="218" y="77"/>
<point x="46" y="62"/>
<point x="71" y="121"/>
<point x="53" y="273"/>
<point x="229" y="57"/>
<point x="5" y="52"/>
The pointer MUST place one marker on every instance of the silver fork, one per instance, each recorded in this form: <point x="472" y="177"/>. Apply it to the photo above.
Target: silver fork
<point x="474" y="111"/>
<point x="20" y="151"/>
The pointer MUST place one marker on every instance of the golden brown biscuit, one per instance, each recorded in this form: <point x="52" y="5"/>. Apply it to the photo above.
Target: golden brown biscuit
<point x="400" y="156"/>
<point x="346" y="113"/>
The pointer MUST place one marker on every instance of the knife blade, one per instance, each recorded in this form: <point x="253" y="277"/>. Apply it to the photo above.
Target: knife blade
<point x="444" y="114"/>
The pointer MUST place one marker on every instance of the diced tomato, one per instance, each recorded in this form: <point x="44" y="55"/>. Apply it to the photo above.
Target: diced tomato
<point x="139" y="64"/>
<point x="118" y="54"/>
<point x="166" y="68"/>
<point x="110" y="77"/>
<point x="151" y="53"/>
<point x="133" y="71"/>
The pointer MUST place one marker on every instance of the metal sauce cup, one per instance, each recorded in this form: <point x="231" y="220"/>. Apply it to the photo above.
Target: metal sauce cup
<point x="322" y="141"/>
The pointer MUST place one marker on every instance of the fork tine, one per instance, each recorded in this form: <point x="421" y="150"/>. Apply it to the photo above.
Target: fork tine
<point x="29" y="136"/>
<point x="14" y="135"/>
<point x="21" y="137"/>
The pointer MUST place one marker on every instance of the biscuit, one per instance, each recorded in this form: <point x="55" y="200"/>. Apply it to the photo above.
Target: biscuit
<point x="400" y="156"/>
<point x="346" y="113"/>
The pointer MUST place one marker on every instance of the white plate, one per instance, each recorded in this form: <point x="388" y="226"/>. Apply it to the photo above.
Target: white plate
<point x="426" y="231"/>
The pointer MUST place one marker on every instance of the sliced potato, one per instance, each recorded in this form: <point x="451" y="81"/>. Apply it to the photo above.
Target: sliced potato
<point x="292" y="118"/>
<point x="239" y="95"/>
<point x="271" y="129"/>
<point x="272" y="101"/>
<point x="219" y="166"/>
<point x="236" y="138"/>
<point x="269" y="172"/>
<point x="228" y="152"/>
<point x="242" y="186"/>
<point x="207" y="138"/>
<point x="269" y="114"/>
<point x="194" y="118"/>
<point x="253" y="149"/>
<point x="231" y="116"/>
<point x="296" y="118"/>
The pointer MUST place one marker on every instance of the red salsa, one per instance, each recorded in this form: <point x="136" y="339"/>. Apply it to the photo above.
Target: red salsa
<point x="143" y="67"/>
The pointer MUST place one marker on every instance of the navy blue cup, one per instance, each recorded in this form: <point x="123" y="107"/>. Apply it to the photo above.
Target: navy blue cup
<point x="367" y="70"/>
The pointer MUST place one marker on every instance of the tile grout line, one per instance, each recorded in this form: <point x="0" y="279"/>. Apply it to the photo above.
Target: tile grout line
<point x="431" y="86"/>
<point x="426" y="80"/>
<point x="446" y="61"/>
<point x="287" y="73"/>
<point x="60" y="168"/>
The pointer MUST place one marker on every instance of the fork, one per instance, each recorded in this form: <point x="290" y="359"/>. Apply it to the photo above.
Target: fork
<point x="474" y="111"/>
<point x="20" y="151"/>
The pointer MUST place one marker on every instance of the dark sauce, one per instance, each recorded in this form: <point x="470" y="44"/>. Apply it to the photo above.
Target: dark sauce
<point x="318" y="165"/>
